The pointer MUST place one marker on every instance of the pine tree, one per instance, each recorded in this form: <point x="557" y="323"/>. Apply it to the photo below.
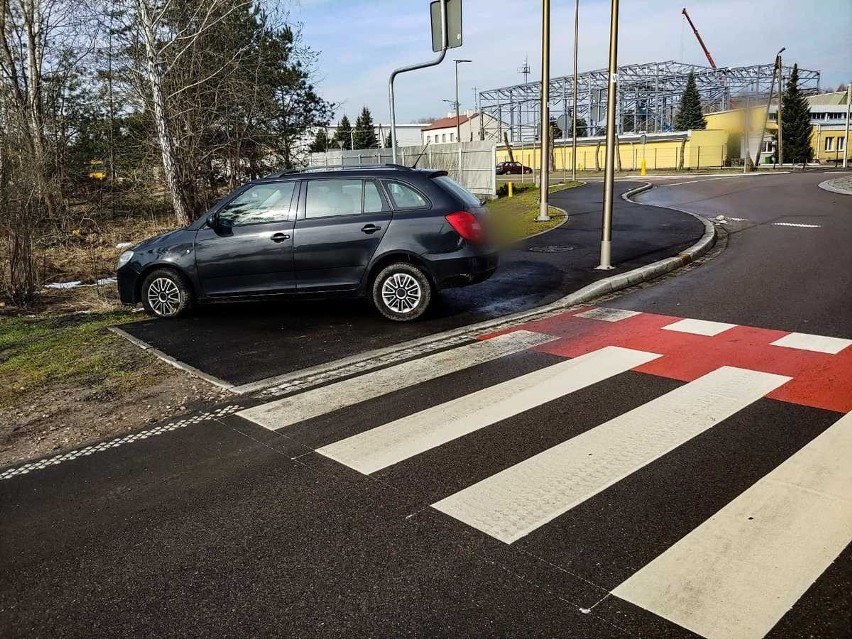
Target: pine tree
<point x="343" y="133"/>
<point x="388" y="141"/>
<point x="582" y="128"/>
<point x="365" y="131"/>
<point x="320" y="143"/>
<point x="795" y="122"/>
<point x="689" y="116"/>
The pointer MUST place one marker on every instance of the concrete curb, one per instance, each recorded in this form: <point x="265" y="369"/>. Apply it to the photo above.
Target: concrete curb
<point x="324" y="373"/>
<point x="168" y="359"/>
<point x="828" y="186"/>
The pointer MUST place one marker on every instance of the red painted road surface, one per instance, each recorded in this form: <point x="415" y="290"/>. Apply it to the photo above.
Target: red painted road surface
<point x="820" y="380"/>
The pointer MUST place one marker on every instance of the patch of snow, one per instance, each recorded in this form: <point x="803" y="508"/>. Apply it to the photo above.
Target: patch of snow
<point x="123" y="245"/>
<point x="77" y="283"/>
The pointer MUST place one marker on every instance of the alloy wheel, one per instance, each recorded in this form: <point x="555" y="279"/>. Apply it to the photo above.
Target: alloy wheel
<point x="164" y="296"/>
<point x="401" y="292"/>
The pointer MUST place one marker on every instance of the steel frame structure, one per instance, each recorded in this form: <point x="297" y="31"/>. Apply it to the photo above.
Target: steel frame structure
<point x="648" y="95"/>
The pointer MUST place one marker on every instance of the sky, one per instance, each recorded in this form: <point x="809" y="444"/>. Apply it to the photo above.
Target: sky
<point x="359" y="43"/>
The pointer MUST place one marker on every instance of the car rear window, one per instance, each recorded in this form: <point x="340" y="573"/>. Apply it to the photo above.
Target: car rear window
<point x="469" y="199"/>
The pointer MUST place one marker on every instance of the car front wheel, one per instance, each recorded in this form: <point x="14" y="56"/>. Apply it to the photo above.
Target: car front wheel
<point x="402" y="292"/>
<point x="166" y="293"/>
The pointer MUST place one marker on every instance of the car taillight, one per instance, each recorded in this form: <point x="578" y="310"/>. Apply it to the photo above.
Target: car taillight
<point x="467" y="225"/>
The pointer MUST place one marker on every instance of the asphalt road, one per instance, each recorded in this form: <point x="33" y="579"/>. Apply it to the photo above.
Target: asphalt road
<point x="793" y="238"/>
<point x="229" y="528"/>
<point x="242" y="343"/>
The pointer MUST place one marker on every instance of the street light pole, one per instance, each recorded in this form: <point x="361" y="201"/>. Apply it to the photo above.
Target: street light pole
<point x="574" y="107"/>
<point x="780" y="100"/>
<point x="611" y="150"/>
<point x="544" y="212"/>
<point x="846" y="139"/>
<point x="458" y="116"/>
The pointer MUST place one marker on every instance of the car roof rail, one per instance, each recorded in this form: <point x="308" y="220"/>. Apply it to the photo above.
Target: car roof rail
<point x="338" y="167"/>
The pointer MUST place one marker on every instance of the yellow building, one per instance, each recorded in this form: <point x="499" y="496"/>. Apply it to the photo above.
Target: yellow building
<point x="828" y="122"/>
<point x="686" y="150"/>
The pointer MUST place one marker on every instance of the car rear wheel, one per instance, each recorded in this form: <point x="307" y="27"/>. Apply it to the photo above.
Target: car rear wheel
<point x="402" y="292"/>
<point x="166" y="293"/>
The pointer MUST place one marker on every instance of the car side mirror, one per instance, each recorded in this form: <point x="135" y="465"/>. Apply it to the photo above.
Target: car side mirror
<point x="212" y="221"/>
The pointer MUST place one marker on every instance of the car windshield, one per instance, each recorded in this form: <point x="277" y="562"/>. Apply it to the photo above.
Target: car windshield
<point x="459" y="191"/>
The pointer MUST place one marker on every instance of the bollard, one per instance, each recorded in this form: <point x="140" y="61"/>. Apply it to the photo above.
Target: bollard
<point x="511" y="192"/>
<point x="643" y="169"/>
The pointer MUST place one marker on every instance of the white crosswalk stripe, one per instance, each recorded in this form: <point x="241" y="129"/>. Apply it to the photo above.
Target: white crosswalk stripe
<point x="291" y="410"/>
<point x="739" y="572"/>
<point x="516" y="501"/>
<point x="394" y="442"/>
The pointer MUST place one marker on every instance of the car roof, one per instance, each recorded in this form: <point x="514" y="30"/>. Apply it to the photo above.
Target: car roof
<point x="383" y="170"/>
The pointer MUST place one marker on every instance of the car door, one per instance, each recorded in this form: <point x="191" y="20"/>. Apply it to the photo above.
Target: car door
<point x="340" y="224"/>
<point x="249" y="251"/>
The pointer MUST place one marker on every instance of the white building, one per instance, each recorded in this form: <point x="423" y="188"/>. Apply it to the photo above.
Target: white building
<point x="472" y="126"/>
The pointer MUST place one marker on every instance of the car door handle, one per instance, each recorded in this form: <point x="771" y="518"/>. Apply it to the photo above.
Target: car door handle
<point x="279" y="237"/>
<point x="370" y="228"/>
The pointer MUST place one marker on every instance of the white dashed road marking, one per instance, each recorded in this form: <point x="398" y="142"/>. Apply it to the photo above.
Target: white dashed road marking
<point x="817" y="343"/>
<point x="699" y="327"/>
<point x="608" y="314"/>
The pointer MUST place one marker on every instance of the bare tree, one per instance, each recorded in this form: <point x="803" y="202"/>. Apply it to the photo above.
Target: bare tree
<point x="169" y="36"/>
<point x="30" y="31"/>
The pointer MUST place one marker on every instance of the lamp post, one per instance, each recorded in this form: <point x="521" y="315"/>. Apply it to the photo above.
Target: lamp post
<point x="611" y="150"/>
<point x="780" y="99"/>
<point x="544" y="212"/>
<point x="574" y="107"/>
<point x="458" y="117"/>
<point x="846" y="139"/>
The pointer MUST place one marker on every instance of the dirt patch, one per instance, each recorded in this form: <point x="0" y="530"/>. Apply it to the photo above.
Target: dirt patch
<point x="66" y="380"/>
<point x="63" y="416"/>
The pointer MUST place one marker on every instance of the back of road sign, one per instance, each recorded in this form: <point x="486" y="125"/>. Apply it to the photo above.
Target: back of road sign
<point x="454" y="24"/>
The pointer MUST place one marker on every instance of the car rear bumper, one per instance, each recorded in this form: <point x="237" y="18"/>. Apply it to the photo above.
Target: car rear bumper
<point x="463" y="270"/>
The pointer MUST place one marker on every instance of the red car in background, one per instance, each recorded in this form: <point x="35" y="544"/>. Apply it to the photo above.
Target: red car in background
<point x="512" y="168"/>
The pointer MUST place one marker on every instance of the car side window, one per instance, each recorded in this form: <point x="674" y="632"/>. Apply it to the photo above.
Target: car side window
<point x="327" y="198"/>
<point x="259" y="204"/>
<point x="372" y="200"/>
<point x="404" y="197"/>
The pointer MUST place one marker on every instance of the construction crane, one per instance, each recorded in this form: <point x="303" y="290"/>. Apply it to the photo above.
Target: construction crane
<point x="700" y="41"/>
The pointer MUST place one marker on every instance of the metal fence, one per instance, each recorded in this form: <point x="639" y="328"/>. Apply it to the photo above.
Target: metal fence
<point x="471" y="164"/>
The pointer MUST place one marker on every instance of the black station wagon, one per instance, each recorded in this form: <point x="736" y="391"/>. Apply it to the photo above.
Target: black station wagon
<point x="390" y="233"/>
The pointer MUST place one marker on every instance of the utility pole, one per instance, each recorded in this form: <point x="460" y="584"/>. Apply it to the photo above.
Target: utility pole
<point x="543" y="211"/>
<point x="768" y="104"/>
<point x="574" y="107"/>
<point x="780" y="99"/>
<point x="846" y="139"/>
<point x="611" y="150"/>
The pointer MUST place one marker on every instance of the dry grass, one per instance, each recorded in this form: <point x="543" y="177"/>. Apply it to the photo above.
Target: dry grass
<point x="88" y="250"/>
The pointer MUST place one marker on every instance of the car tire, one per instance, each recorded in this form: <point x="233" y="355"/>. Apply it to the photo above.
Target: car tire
<point x="402" y="292"/>
<point x="167" y="294"/>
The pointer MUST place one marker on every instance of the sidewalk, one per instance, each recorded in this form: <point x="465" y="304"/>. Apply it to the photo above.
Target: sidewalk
<point x="245" y="343"/>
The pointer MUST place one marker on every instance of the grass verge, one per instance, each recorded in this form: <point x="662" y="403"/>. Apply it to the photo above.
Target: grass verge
<point x="514" y="217"/>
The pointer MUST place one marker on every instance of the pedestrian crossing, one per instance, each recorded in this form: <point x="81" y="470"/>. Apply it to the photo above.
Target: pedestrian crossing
<point x="734" y="575"/>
